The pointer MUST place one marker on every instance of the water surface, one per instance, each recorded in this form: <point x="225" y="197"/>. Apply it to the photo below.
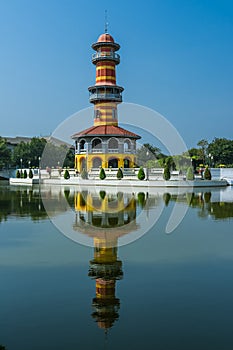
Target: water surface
<point x="159" y="292"/>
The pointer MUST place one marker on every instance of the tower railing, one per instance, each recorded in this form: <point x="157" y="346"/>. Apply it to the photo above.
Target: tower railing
<point x="105" y="56"/>
<point x="105" y="96"/>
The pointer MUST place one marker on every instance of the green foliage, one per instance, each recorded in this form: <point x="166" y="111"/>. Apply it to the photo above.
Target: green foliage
<point x="30" y="151"/>
<point x="207" y="174"/>
<point x="169" y="162"/>
<point x="222" y="151"/>
<point x="2" y="347"/>
<point x="166" y="173"/>
<point x="25" y="175"/>
<point x="203" y="148"/>
<point x="102" y="194"/>
<point x="84" y="174"/>
<point x="5" y="154"/>
<point x="190" y="175"/>
<point x="142" y="199"/>
<point x="30" y="174"/>
<point x="146" y="153"/>
<point x="66" y="175"/>
<point x="166" y="198"/>
<point x="18" y="174"/>
<point x="119" y="174"/>
<point x="141" y="174"/>
<point x="21" y="174"/>
<point x="102" y="174"/>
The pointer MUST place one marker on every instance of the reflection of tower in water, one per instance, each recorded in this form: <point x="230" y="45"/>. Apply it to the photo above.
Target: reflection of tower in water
<point x="105" y="217"/>
<point x="105" y="268"/>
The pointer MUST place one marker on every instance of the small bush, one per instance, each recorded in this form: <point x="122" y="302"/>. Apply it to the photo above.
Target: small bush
<point x="66" y="175"/>
<point x="18" y="174"/>
<point x="207" y="174"/>
<point x="141" y="174"/>
<point x="21" y="174"/>
<point x="190" y="174"/>
<point x="141" y="199"/>
<point x="30" y="174"/>
<point x="166" y="198"/>
<point x="25" y="175"/>
<point x="166" y="173"/>
<point x="119" y="174"/>
<point x="102" y="174"/>
<point x="102" y="194"/>
<point x="84" y="174"/>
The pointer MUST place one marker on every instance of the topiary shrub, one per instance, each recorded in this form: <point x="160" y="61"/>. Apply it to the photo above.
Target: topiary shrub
<point x="84" y="174"/>
<point x="119" y="174"/>
<point x="141" y="199"/>
<point x="18" y="174"/>
<point x="102" y="174"/>
<point x="25" y="175"/>
<point x="21" y="174"/>
<point x="66" y="175"/>
<point x="141" y="174"/>
<point x="102" y="194"/>
<point x="166" y="198"/>
<point x="166" y="173"/>
<point x="207" y="174"/>
<point x="30" y="174"/>
<point x="190" y="174"/>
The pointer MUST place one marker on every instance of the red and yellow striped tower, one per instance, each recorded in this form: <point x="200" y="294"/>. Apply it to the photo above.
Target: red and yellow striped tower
<point x="105" y="144"/>
<point x="105" y="94"/>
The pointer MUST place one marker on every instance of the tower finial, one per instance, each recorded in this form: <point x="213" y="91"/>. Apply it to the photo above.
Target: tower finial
<point x="106" y="22"/>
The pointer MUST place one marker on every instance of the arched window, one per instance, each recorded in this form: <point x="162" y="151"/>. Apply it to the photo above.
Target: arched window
<point x="127" y="145"/>
<point x="113" y="144"/>
<point x="83" y="145"/>
<point x="96" y="144"/>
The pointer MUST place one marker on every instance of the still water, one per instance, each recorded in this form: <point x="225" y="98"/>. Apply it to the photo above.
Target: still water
<point x="161" y="291"/>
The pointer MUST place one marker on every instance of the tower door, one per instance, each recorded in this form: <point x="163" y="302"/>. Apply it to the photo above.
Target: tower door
<point x="113" y="163"/>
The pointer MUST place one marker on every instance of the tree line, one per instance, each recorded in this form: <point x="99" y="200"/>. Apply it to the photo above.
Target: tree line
<point x="28" y="154"/>
<point x="218" y="153"/>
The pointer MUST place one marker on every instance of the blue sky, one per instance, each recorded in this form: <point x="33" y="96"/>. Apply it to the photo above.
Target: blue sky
<point x="176" y="58"/>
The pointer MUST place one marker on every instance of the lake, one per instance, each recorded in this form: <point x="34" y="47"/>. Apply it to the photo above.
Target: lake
<point x="96" y="269"/>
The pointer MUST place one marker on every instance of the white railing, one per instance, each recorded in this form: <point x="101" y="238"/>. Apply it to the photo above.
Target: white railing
<point x="97" y="150"/>
<point x="111" y="150"/>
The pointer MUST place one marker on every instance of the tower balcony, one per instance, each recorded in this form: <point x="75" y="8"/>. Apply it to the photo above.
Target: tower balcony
<point x="104" y="55"/>
<point x="117" y="97"/>
<point x="105" y="93"/>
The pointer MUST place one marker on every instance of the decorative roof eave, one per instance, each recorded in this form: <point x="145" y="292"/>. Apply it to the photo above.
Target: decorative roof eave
<point x="105" y="130"/>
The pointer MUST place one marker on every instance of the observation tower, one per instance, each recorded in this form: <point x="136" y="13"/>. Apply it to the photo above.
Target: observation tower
<point x="105" y="144"/>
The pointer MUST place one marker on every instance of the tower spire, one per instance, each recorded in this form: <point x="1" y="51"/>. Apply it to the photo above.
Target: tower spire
<point x="106" y="22"/>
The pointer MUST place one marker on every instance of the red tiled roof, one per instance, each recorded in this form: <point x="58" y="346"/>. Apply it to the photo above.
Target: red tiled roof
<point x="108" y="130"/>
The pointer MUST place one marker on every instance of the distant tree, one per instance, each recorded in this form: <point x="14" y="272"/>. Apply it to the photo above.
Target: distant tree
<point x="169" y="162"/>
<point x="66" y="175"/>
<point x="146" y="153"/>
<point x="119" y="174"/>
<point x="203" y="146"/>
<point x="207" y="174"/>
<point x="222" y="151"/>
<point x="190" y="174"/>
<point x="102" y="174"/>
<point x="5" y="153"/>
<point x="25" y="175"/>
<point x="141" y="174"/>
<point x="166" y="173"/>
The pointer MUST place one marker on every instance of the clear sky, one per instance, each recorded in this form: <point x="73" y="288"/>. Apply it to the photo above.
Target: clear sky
<point x="176" y="58"/>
